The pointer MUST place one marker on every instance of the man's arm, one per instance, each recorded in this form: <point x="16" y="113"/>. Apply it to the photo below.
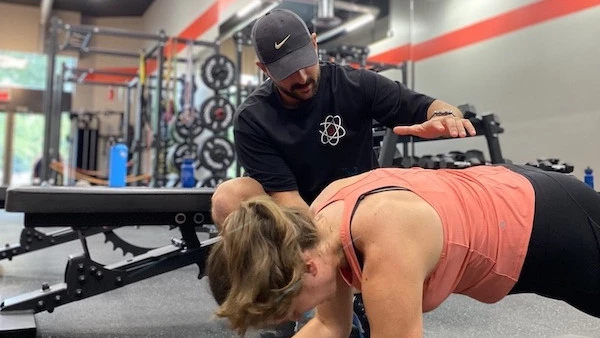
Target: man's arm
<point x="443" y="120"/>
<point x="441" y="106"/>
<point x="264" y="163"/>
<point x="411" y="113"/>
<point x="289" y="199"/>
<point x="333" y="318"/>
<point x="260" y="158"/>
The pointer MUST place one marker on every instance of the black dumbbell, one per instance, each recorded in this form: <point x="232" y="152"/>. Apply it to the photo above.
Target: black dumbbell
<point x="427" y="162"/>
<point x="457" y="155"/>
<point x="406" y="162"/>
<point x="475" y="157"/>
<point x="564" y="168"/>
<point x="445" y="161"/>
<point x="460" y="165"/>
<point x="552" y="160"/>
<point x="568" y="168"/>
<point x="546" y="165"/>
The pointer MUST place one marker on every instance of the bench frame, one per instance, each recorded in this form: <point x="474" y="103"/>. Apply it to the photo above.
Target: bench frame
<point x="85" y="277"/>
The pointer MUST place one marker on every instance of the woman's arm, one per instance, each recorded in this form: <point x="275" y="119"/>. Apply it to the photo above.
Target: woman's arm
<point x="333" y="318"/>
<point x="401" y="241"/>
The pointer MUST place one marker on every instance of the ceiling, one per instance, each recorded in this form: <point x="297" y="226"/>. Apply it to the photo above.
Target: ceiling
<point x="343" y="10"/>
<point x="95" y="8"/>
<point x="307" y="9"/>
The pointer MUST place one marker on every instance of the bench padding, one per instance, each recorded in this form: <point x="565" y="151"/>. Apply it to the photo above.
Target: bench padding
<point x="96" y="199"/>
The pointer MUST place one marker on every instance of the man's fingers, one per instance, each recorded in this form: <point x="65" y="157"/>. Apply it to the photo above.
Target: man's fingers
<point x="469" y="127"/>
<point x="452" y="128"/>
<point x="438" y="125"/>
<point x="403" y="130"/>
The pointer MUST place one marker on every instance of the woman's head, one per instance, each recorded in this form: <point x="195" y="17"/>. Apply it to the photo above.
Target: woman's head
<point x="256" y="270"/>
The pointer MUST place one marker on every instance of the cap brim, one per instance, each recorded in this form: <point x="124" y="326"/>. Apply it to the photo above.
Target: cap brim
<point x="303" y="57"/>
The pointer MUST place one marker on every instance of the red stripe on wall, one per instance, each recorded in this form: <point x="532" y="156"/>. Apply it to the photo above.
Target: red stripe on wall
<point x="112" y="78"/>
<point x="511" y="21"/>
<point x="199" y="26"/>
<point x="395" y="55"/>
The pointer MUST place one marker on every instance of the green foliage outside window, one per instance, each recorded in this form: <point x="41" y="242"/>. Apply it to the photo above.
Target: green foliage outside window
<point x="28" y="70"/>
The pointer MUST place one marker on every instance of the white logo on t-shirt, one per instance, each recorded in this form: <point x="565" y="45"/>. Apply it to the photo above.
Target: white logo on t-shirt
<point x="332" y="130"/>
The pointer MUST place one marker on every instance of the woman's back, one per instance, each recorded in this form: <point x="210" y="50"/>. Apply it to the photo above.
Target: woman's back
<point x="486" y="214"/>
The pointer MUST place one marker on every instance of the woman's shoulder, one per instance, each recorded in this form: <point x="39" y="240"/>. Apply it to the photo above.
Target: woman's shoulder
<point x="331" y="190"/>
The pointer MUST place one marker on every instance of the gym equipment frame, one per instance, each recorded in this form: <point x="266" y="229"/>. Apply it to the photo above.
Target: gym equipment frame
<point x="78" y="37"/>
<point x="92" y="208"/>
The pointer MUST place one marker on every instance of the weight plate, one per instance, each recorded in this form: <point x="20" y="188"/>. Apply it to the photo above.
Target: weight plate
<point x="182" y="151"/>
<point x="218" y="72"/>
<point x="216" y="114"/>
<point x="187" y="125"/>
<point x="217" y="154"/>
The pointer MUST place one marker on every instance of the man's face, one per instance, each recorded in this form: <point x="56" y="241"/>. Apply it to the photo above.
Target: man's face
<point x="301" y="85"/>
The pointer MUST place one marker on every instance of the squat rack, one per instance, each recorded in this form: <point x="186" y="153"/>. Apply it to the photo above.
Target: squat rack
<point x="77" y="76"/>
<point x="78" y="37"/>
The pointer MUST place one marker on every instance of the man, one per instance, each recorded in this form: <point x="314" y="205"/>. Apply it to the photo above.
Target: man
<point x="311" y="122"/>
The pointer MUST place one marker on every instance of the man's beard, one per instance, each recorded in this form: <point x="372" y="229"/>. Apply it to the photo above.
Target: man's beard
<point x="292" y="92"/>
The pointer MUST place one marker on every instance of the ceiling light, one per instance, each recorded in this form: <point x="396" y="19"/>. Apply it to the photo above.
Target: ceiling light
<point x="359" y="22"/>
<point x="249" y="8"/>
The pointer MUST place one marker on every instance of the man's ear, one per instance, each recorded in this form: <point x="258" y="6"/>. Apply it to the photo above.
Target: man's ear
<point x="263" y="68"/>
<point x="314" y="39"/>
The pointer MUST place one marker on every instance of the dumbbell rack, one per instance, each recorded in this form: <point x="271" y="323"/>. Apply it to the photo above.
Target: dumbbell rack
<point x="487" y="125"/>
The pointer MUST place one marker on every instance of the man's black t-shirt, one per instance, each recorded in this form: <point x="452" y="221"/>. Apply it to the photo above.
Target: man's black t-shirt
<point x="327" y="137"/>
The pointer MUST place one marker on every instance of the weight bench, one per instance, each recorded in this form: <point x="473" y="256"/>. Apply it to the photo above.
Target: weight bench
<point x="33" y="240"/>
<point x="94" y="207"/>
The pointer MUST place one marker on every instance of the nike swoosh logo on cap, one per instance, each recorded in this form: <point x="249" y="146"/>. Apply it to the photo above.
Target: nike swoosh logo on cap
<point x="278" y="45"/>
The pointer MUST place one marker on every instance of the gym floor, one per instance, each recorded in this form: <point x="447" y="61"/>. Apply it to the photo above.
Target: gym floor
<point x="177" y="304"/>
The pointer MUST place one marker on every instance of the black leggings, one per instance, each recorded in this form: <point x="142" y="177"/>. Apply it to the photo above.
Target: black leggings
<point x="563" y="257"/>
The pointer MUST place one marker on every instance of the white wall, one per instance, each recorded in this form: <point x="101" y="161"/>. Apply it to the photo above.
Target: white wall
<point x="20" y="26"/>
<point x="541" y="81"/>
<point x="435" y="17"/>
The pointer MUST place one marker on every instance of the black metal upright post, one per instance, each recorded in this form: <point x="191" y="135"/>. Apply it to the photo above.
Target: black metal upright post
<point x="139" y="125"/>
<point x="55" y="118"/>
<point x="390" y="139"/>
<point x="48" y="152"/>
<point x="126" y="117"/>
<point x="491" y="127"/>
<point x="159" y="127"/>
<point x="239" y="44"/>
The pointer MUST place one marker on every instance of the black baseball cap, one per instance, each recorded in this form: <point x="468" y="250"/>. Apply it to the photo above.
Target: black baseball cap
<point x="283" y="43"/>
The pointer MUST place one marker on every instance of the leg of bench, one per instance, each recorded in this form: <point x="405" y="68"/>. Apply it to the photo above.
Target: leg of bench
<point x="33" y="240"/>
<point x="20" y="324"/>
<point x="85" y="278"/>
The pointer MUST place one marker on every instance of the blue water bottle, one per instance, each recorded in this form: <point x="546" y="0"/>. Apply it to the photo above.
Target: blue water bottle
<point x="588" y="178"/>
<point x="117" y="166"/>
<point x="187" y="173"/>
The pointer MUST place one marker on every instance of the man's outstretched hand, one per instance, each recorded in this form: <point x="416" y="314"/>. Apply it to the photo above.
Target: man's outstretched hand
<point x="446" y="126"/>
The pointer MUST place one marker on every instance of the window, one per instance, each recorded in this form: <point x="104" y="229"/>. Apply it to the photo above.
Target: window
<point x="28" y="70"/>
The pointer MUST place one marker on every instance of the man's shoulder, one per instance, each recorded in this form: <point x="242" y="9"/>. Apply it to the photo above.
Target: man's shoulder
<point x="341" y="75"/>
<point x="257" y="101"/>
<point x="335" y="68"/>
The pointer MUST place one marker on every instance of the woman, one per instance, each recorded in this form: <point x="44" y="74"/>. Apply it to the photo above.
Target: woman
<point x="407" y="239"/>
